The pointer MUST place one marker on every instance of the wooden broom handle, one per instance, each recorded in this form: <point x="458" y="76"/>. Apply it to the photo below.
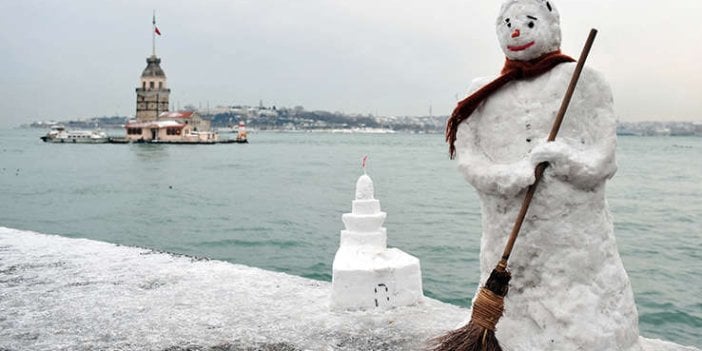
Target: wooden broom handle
<point x="539" y="172"/>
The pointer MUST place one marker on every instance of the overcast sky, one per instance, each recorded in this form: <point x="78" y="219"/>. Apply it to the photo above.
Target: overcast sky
<point x="77" y="59"/>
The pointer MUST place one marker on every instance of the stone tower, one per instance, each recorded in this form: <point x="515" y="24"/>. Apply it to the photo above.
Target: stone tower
<point x="152" y="95"/>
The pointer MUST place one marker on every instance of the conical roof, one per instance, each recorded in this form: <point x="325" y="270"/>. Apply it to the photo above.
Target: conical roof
<point x="153" y="68"/>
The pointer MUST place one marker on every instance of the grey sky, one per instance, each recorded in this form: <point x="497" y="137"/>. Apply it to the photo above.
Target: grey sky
<point x="82" y="58"/>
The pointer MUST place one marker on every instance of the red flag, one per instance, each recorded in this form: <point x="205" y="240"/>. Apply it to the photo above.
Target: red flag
<point x="153" y="21"/>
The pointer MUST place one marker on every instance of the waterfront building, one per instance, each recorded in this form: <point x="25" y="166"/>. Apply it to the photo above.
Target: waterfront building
<point x="153" y="122"/>
<point x="152" y="94"/>
<point x="172" y="127"/>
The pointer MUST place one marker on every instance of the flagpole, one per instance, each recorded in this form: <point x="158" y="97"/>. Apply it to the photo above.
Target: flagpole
<point x="153" y="34"/>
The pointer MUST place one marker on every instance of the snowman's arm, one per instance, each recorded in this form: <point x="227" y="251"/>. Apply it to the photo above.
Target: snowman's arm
<point x="478" y="169"/>
<point x="584" y="169"/>
<point x="485" y="175"/>
<point x="586" y="158"/>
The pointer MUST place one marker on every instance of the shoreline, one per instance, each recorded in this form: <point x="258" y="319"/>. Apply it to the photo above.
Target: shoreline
<point x="64" y="293"/>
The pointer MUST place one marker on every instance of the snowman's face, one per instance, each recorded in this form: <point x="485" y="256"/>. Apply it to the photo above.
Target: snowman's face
<point x="527" y="30"/>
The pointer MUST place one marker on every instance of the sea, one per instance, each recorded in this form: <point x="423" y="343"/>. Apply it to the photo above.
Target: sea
<point x="276" y="203"/>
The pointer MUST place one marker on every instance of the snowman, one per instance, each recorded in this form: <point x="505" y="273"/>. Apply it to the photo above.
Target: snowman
<point x="569" y="289"/>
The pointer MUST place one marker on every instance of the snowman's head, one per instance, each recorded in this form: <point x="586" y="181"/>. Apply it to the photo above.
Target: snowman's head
<point x="527" y="29"/>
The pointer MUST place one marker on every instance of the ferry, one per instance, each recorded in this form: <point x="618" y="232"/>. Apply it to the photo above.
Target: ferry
<point x="59" y="134"/>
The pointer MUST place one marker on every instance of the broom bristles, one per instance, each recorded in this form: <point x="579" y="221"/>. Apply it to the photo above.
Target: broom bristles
<point x="479" y="333"/>
<point x="470" y="337"/>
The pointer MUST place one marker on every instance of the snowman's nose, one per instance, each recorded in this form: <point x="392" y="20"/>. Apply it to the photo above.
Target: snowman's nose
<point x="515" y="33"/>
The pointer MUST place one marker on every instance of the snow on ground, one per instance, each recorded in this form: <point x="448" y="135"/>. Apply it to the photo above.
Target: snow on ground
<point x="58" y="293"/>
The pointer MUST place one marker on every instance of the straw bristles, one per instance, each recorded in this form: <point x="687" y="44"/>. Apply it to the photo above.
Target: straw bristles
<point x="470" y="337"/>
<point x="479" y="333"/>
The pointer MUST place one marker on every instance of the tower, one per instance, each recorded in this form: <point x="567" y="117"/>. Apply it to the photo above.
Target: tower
<point x="152" y="94"/>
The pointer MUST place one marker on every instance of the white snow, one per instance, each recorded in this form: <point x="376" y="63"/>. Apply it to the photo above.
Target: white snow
<point x="58" y="293"/>
<point x="70" y="294"/>
<point x="540" y="31"/>
<point x="365" y="273"/>
<point x="156" y="124"/>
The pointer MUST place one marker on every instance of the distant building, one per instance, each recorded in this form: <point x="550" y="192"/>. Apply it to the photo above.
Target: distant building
<point x="172" y="127"/>
<point x="191" y="118"/>
<point x="154" y="123"/>
<point x="152" y="95"/>
<point x="698" y="128"/>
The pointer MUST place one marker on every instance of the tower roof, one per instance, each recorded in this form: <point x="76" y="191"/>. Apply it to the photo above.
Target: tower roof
<point x="153" y="68"/>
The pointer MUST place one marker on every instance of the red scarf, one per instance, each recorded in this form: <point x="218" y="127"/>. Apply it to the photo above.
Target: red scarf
<point x="513" y="70"/>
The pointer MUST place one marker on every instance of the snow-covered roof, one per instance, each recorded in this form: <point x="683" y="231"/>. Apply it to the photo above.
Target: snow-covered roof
<point x="156" y="124"/>
<point x="176" y="114"/>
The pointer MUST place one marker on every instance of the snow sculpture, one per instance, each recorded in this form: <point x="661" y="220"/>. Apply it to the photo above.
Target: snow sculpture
<point x="366" y="274"/>
<point x="569" y="289"/>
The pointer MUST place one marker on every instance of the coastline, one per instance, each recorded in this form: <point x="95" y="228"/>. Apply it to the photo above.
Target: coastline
<point x="63" y="293"/>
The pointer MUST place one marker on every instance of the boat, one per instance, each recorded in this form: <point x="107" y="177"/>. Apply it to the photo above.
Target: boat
<point x="59" y="134"/>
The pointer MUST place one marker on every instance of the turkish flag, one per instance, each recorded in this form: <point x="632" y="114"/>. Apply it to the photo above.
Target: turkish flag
<point x="157" y="31"/>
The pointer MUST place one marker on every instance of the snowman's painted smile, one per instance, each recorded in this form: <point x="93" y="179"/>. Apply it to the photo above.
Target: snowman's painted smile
<point x="520" y="47"/>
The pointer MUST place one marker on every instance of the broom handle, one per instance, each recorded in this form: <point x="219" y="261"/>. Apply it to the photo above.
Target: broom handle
<point x="539" y="172"/>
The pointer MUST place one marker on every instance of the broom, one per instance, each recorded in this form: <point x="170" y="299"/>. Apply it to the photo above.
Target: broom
<point x="479" y="333"/>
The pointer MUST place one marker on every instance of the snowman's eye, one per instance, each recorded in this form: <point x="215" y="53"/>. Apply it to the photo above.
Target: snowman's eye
<point x="509" y="25"/>
<point x="531" y="23"/>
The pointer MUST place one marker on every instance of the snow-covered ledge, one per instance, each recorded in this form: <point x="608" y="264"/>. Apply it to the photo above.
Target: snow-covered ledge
<point x="58" y="293"/>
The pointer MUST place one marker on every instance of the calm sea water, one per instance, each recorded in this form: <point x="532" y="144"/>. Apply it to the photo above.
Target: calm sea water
<point x="276" y="203"/>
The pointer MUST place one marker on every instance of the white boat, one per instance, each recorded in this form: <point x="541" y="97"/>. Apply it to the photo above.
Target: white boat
<point x="59" y="134"/>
